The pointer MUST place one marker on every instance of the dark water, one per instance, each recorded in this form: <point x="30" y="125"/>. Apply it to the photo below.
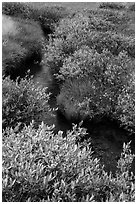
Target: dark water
<point x="43" y="78"/>
<point x="106" y="137"/>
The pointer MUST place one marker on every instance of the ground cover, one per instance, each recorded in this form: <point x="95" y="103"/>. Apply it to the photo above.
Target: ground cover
<point x="88" y="58"/>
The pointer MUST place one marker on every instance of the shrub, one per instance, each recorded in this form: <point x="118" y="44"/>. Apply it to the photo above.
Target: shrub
<point x="114" y="17"/>
<point x="94" y="85"/>
<point x="78" y="24"/>
<point x="73" y="100"/>
<point x="22" y="102"/>
<point x="72" y="33"/>
<point x="13" y="56"/>
<point x="51" y="13"/>
<point x="125" y="109"/>
<point x="77" y="53"/>
<point x="120" y="20"/>
<point x="48" y="17"/>
<point x="69" y="35"/>
<point x="80" y="63"/>
<point x="115" y="43"/>
<point x="99" y="24"/>
<point x="112" y="5"/>
<point x="16" y="9"/>
<point x="54" y="55"/>
<point x="40" y="166"/>
<point x="82" y="21"/>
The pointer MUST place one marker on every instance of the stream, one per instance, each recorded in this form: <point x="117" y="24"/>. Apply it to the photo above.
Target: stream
<point x="106" y="138"/>
<point x="43" y="78"/>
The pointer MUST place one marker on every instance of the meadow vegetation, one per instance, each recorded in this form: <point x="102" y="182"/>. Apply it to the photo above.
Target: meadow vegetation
<point x="95" y="68"/>
<point x="90" y="55"/>
<point x="23" y="102"/>
<point x="47" y="167"/>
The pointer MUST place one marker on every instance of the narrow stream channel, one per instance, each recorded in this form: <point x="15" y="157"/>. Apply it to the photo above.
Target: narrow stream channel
<point x="106" y="137"/>
<point x="43" y="78"/>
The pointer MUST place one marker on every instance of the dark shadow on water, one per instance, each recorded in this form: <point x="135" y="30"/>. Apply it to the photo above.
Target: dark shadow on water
<point x="43" y="77"/>
<point x="106" y="139"/>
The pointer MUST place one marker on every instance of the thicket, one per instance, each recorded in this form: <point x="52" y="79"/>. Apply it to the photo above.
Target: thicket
<point x="22" y="102"/>
<point x="16" y="9"/>
<point x="40" y="166"/>
<point x="72" y="33"/>
<point x="122" y="21"/>
<point x="112" y="5"/>
<point x="98" y="85"/>
<point x="118" y="6"/>
<point x="96" y="69"/>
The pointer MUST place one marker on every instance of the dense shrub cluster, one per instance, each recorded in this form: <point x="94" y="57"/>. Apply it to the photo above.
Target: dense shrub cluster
<point x="76" y="25"/>
<point x="41" y="166"/>
<point x="125" y="108"/>
<point x="112" y="16"/>
<point x="13" y="55"/>
<point x="98" y="19"/>
<point x="72" y="33"/>
<point x="112" y="5"/>
<point x="23" y="102"/>
<point x="115" y="43"/>
<point x="95" y="67"/>
<point x="118" y="6"/>
<point x="120" y="20"/>
<point x="16" y="9"/>
<point x="97" y="85"/>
